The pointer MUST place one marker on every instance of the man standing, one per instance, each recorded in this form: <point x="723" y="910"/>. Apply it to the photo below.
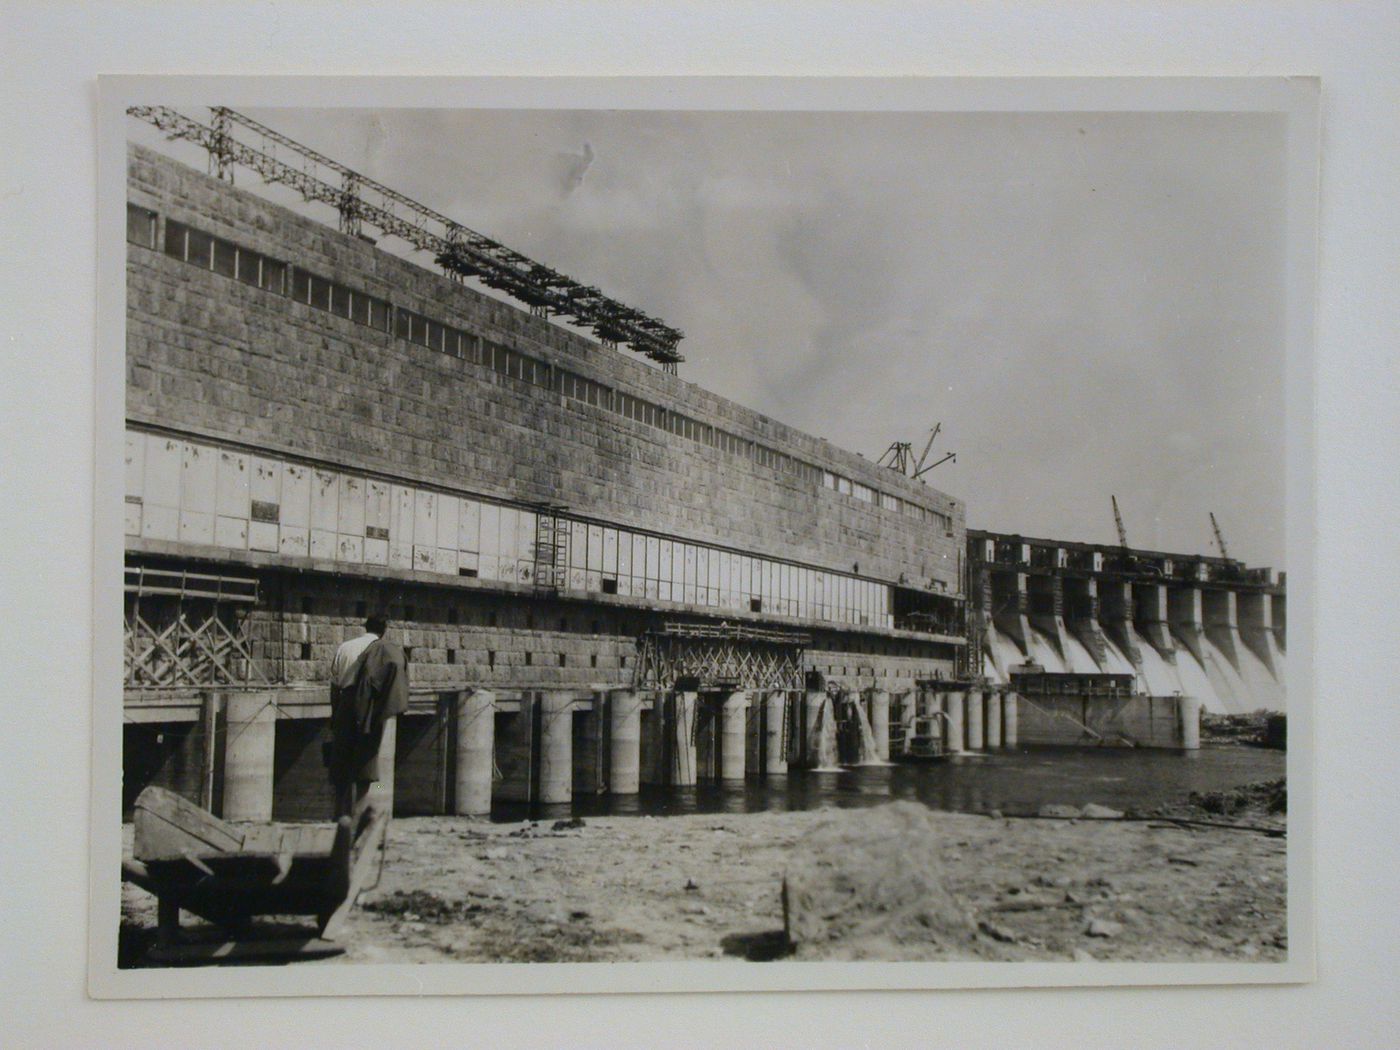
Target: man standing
<point x="369" y="685"/>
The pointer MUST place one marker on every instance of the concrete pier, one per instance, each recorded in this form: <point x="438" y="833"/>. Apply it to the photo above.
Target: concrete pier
<point x="1010" y="733"/>
<point x="880" y="722"/>
<point x="954" y="710"/>
<point x="991" y="704"/>
<point x="973" y="722"/>
<point x="732" y="723"/>
<point x="556" y="748"/>
<point x="775" y="713"/>
<point x="1190" y="723"/>
<point x="624" y="741"/>
<point x="682" y="709"/>
<point x="818" y="731"/>
<point x="250" y="721"/>
<point x="475" y="752"/>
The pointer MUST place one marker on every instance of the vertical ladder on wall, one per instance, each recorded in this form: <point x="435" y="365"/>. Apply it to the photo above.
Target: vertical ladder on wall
<point x="551" y="549"/>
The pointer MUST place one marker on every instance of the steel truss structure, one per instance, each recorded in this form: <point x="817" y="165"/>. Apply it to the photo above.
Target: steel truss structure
<point x="458" y="250"/>
<point x="722" y="655"/>
<point x="186" y="630"/>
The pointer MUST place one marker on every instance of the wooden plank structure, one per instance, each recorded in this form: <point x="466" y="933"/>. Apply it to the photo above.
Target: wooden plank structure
<point x="227" y="873"/>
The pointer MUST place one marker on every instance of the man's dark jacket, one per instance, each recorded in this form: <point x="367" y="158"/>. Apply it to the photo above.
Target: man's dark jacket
<point x="358" y="712"/>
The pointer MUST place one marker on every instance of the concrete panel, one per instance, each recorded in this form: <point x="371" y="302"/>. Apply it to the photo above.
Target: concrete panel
<point x="135" y="463"/>
<point x="469" y="526"/>
<point x="424" y="520"/>
<point x="653" y="566"/>
<point x="625" y="541"/>
<point x="666" y="563"/>
<point x="423" y="558"/>
<point x="507" y="569"/>
<point x="262" y="536"/>
<point x="231" y="498"/>
<point x="296" y="496"/>
<point x="448" y="522"/>
<point x="131" y="518"/>
<point x="625" y="586"/>
<point x="594" y="561"/>
<point x="350" y="519"/>
<point x="325" y="500"/>
<point x="490" y="540"/>
<point x="323" y="543"/>
<point x="610" y="567"/>
<point x="401" y="514"/>
<point x="196" y="527"/>
<point x="198" y="470"/>
<point x="526" y="530"/>
<point x="376" y="552"/>
<point x="294" y="540"/>
<point x="489" y="567"/>
<point x="578" y="545"/>
<point x="265" y="481"/>
<point x="508" y="546"/>
<point x="231" y="533"/>
<point x="400" y="555"/>
<point x="350" y="548"/>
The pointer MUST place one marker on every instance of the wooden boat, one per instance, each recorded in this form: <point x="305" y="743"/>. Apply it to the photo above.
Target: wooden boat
<point x="227" y="873"/>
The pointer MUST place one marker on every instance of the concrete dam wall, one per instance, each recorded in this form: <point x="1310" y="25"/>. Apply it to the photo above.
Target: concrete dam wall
<point x="1206" y="628"/>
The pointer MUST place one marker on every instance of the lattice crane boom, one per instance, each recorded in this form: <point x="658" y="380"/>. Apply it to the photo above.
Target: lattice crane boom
<point x="457" y="249"/>
<point x="1219" y="537"/>
<point x="1118" y="523"/>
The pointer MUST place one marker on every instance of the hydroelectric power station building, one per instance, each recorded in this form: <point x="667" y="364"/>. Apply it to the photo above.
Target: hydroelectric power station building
<point x="603" y="575"/>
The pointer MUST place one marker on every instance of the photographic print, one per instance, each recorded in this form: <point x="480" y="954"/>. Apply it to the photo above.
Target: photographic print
<point x="730" y="523"/>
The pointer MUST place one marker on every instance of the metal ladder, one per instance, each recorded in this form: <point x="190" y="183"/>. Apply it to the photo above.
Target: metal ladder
<point x="551" y="550"/>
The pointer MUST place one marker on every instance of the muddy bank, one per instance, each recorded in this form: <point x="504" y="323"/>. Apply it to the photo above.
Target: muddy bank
<point x="707" y="886"/>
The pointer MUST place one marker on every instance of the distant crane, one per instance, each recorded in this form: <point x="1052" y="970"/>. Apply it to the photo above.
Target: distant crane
<point x="900" y="456"/>
<point x="1118" y="523"/>
<point x="1219" y="537"/>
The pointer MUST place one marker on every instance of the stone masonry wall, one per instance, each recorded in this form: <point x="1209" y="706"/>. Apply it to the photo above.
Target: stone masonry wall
<point x="215" y="357"/>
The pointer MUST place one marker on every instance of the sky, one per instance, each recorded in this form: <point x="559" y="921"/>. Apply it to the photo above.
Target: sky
<point x="1090" y="304"/>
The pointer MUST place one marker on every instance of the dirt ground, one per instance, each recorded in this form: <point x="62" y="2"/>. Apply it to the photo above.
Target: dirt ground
<point x="709" y="886"/>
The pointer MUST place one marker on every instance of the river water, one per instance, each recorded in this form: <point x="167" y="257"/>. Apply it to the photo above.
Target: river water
<point x="1014" y="782"/>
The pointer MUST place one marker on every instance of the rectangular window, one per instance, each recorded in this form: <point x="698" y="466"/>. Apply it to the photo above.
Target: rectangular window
<point x="843" y="486"/>
<point x="249" y="267"/>
<point x="140" y="226"/>
<point x="340" y="300"/>
<point x="176" y="238"/>
<point x="273" y="276"/>
<point x="200" y="250"/>
<point x="225" y="257"/>
<point x="320" y="292"/>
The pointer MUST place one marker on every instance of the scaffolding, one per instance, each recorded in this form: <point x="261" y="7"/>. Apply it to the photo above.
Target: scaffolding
<point x="723" y="655"/>
<point x="461" y="252"/>
<point x="188" y="630"/>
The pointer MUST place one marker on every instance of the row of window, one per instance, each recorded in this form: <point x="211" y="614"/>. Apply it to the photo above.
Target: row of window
<point x="221" y="256"/>
<point x="205" y="495"/>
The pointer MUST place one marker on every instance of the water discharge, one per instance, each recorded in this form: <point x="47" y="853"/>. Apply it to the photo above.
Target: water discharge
<point x="869" y="753"/>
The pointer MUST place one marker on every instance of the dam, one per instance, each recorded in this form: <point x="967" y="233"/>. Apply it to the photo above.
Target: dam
<point x="603" y="576"/>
